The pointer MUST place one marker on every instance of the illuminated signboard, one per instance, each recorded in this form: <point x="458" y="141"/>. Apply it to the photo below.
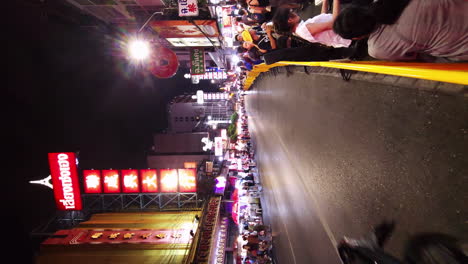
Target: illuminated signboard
<point x="92" y="181"/>
<point x="149" y="181"/>
<point x="169" y="181"/>
<point x="111" y="181"/>
<point x="188" y="8"/>
<point x="200" y="97"/>
<point x="218" y="142"/>
<point x="220" y="185"/>
<point x="190" y="165"/>
<point x="187" y="180"/>
<point x="130" y="182"/>
<point x="207" y="231"/>
<point x="65" y="181"/>
<point x="220" y="251"/>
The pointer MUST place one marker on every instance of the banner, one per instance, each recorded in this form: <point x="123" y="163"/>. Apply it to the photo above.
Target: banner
<point x="197" y="61"/>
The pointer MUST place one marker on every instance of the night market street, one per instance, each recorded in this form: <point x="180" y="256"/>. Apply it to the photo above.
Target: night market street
<point x="337" y="157"/>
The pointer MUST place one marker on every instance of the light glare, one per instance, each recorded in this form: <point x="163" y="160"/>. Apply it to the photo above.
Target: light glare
<point x="139" y="50"/>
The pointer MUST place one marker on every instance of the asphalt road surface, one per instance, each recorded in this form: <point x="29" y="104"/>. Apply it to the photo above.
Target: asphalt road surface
<point x="335" y="158"/>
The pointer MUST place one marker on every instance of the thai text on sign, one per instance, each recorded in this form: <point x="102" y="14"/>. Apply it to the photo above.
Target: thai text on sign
<point x="188" y="8"/>
<point x="197" y="59"/>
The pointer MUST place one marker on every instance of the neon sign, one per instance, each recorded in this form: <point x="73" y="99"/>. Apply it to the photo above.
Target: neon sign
<point x="65" y="181"/>
<point x="220" y="185"/>
<point x="111" y="181"/>
<point x="187" y="180"/>
<point x="92" y="181"/>
<point x="130" y="181"/>
<point x="169" y="181"/>
<point x="149" y="181"/>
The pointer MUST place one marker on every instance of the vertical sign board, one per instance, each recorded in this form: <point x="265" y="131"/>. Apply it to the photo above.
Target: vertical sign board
<point x="218" y="142"/>
<point x="111" y="181"/>
<point x="209" y="166"/>
<point x="207" y="233"/>
<point x="187" y="180"/>
<point x="149" y="181"/>
<point x="130" y="182"/>
<point x="65" y="181"/>
<point x="92" y="181"/>
<point x="197" y="61"/>
<point x="169" y="181"/>
<point x="188" y="8"/>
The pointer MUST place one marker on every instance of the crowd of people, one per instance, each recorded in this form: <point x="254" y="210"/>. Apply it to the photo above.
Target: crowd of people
<point x="391" y="30"/>
<point x="255" y="237"/>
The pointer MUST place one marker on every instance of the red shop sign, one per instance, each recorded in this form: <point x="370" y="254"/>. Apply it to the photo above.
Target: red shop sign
<point x="65" y="180"/>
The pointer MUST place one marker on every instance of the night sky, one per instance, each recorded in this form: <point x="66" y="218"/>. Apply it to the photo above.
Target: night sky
<point x="68" y="89"/>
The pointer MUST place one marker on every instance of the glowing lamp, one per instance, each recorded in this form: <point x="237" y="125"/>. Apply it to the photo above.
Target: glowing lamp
<point x="139" y="49"/>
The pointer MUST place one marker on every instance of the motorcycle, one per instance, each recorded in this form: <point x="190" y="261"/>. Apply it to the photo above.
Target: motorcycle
<point x="424" y="248"/>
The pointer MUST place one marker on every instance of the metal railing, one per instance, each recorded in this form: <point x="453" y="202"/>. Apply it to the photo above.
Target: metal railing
<point x="442" y="72"/>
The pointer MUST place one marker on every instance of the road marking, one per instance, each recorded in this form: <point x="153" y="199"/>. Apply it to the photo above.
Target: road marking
<point x="321" y="217"/>
<point x="251" y="125"/>
<point x="282" y="222"/>
<point x="314" y="198"/>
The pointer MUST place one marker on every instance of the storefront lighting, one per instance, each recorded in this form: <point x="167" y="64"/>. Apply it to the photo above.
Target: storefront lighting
<point x="235" y="59"/>
<point x="200" y="99"/>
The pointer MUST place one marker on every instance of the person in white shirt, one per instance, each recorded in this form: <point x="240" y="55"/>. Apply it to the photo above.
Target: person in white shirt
<point x="405" y="30"/>
<point x="317" y="29"/>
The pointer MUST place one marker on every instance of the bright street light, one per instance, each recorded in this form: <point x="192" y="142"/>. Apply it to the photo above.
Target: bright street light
<point x="139" y="49"/>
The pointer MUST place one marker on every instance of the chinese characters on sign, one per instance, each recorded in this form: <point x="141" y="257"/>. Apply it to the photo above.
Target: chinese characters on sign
<point x="187" y="180"/>
<point x="92" y="181"/>
<point x="140" y="181"/>
<point x="130" y="181"/>
<point x="111" y="181"/>
<point x="188" y="8"/>
<point x="208" y="230"/>
<point x="149" y="181"/>
<point x="221" y="247"/>
<point x="197" y="60"/>
<point x="169" y="181"/>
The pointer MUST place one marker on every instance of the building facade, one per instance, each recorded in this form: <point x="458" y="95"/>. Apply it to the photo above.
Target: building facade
<point x="200" y="112"/>
<point x="176" y="150"/>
